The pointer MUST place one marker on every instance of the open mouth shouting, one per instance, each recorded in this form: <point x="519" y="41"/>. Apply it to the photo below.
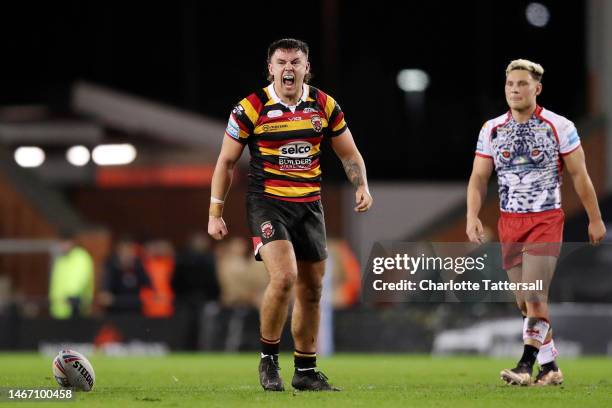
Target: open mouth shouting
<point x="289" y="80"/>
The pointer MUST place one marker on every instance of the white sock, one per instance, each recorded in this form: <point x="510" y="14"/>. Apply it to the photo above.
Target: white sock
<point x="535" y="329"/>
<point x="548" y="352"/>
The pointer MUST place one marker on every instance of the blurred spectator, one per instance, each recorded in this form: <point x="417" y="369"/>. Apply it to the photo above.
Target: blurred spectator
<point x="5" y="292"/>
<point x="72" y="280"/>
<point x="124" y="276"/>
<point x="243" y="280"/>
<point x="158" y="260"/>
<point x="345" y="272"/>
<point x="195" y="278"/>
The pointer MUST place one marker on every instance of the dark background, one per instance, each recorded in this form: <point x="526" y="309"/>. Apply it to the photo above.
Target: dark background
<point x="205" y="57"/>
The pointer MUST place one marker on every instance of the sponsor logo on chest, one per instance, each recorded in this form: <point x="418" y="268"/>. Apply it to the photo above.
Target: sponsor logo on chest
<point x="274" y="126"/>
<point x="295" y="156"/>
<point x="275" y="113"/>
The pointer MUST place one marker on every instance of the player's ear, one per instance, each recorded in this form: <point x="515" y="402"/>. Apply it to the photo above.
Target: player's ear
<point x="538" y="88"/>
<point x="307" y="67"/>
<point x="270" y="69"/>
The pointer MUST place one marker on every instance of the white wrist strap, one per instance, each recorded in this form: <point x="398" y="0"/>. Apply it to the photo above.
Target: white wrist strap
<point x="215" y="200"/>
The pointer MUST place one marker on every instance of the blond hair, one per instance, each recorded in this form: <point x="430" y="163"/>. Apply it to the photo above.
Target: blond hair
<point x="535" y="69"/>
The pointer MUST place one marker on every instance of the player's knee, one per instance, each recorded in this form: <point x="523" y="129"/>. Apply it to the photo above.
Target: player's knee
<point x="535" y="299"/>
<point x="536" y="307"/>
<point x="283" y="282"/>
<point x="311" y="293"/>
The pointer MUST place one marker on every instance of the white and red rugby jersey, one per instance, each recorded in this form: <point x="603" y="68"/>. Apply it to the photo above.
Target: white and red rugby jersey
<point x="527" y="158"/>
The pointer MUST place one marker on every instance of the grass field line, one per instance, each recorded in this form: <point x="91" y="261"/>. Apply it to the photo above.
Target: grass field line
<point x="378" y="380"/>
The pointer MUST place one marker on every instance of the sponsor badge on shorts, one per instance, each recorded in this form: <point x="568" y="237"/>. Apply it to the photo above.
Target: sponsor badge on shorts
<point x="267" y="230"/>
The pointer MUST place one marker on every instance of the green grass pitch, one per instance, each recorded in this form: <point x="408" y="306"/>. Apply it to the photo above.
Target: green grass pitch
<point x="374" y="380"/>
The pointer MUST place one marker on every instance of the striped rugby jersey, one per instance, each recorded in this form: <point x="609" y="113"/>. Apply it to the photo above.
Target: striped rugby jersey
<point x="285" y="141"/>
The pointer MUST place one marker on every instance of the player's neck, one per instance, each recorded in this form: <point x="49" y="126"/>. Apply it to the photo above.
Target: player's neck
<point x="523" y="115"/>
<point x="289" y="101"/>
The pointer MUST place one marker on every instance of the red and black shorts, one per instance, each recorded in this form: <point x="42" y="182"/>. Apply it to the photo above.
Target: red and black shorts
<point x="302" y="223"/>
<point x="533" y="233"/>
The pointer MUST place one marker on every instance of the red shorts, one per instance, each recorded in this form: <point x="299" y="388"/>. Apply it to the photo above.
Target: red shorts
<point x="544" y="229"/>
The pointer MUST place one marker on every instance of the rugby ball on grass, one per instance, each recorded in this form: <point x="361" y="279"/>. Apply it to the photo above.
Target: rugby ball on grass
<point x="71" y="369"/>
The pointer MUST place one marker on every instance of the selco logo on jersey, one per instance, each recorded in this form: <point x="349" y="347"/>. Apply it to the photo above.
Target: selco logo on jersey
<point x="296" y="149"/>
<point x="295" y="156"/>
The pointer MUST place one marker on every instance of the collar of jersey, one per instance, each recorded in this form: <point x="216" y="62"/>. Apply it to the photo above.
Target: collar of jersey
<point x="276" y="99"/>
<point x="537" y="114"/>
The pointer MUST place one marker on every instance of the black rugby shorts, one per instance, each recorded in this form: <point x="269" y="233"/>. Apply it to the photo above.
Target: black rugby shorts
<point x="302" y="223"/>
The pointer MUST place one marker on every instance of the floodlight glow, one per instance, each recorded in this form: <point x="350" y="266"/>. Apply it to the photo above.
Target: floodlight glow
<point x="29" y="156"/>
<point x="78" y="156"/>
<point x="113" y="154"/>
<point x="412" y="80"/>
<point x="537" y="14"/>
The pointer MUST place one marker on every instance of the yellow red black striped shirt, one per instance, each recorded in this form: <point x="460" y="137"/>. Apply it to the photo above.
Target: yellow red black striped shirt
<point x="285" y="141"/>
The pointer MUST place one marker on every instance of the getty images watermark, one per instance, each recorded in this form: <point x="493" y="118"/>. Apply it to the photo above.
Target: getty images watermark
<point x="493" y="272"/>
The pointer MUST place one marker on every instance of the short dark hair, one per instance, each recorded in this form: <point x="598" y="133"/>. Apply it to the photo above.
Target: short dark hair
<point x="288" y="44"/>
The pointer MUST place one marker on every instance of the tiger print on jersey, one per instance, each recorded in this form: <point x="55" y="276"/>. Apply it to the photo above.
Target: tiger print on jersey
<point x="527" y="162"/>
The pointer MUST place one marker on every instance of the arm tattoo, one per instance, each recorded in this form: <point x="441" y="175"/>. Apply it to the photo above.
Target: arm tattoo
<point x="353" y="172"/>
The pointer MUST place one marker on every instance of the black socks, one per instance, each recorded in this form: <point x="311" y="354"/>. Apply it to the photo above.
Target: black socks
<point x="530" y="353"/>
<point x="269" y="347"/>
<point x="304" y="361"/>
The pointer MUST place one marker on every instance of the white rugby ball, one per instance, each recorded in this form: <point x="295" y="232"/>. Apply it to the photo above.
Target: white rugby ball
<point x="71" y="369"/>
